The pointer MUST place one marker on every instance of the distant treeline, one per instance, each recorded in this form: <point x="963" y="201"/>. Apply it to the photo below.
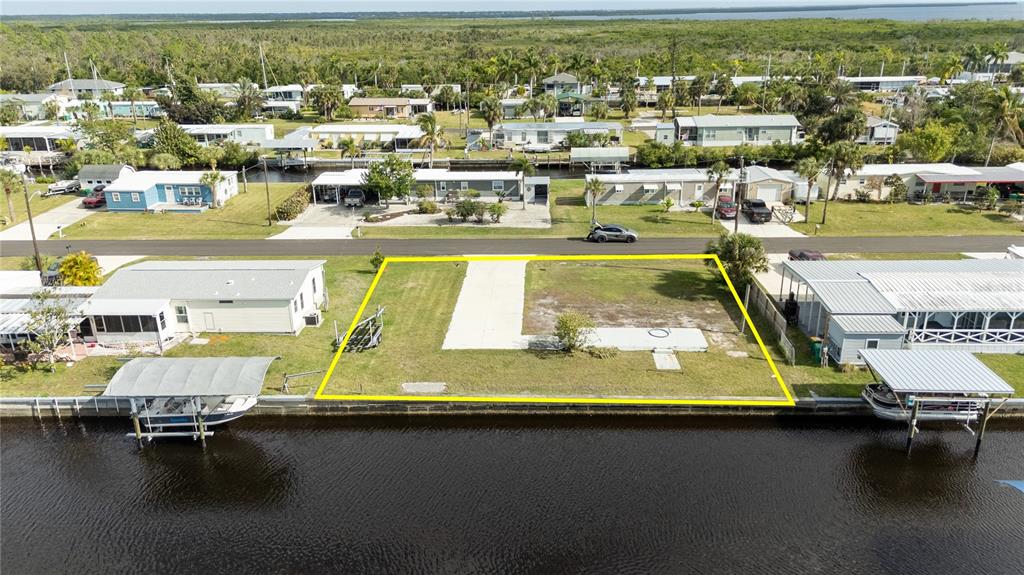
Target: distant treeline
<point x="480" y="52"/>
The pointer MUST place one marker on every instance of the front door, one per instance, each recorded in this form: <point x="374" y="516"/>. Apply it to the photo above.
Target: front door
<point x="208" y="320"/>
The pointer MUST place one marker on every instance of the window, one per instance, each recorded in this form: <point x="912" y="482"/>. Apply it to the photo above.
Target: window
<point x="463" y="186"/>
<point x="295" y="305"/>
<point x="302" y="301"/>
<point x="168" y="189"/>
<point x="163" y="321"/>
<point x="444" y="186"/>
<point x="135" y="197"/>
<point x="100" y="326"/>
<point x="542" y="137"/>
<point x="700" y="188"/>
<point x="497" y="186"/>
<point x="226" y="301"/>
<point x="113" y="323"/>
<point x="148" y="323"/>
<point x="871" y="344"/>
<point x="115" y="197"/>
<point x="314" y="285"/>
<point x="131" y="323"/>
<point x="181" y="313"/>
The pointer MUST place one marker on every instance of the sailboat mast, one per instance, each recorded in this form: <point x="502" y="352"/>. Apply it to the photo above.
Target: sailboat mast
<point x="263" y="66"/>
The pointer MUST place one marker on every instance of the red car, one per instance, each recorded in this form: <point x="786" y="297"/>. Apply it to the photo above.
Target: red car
<point x="726" y="209"/>
<point x="95" y="199"/>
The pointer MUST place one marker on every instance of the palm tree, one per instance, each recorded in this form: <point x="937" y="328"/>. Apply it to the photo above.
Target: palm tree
<point x="109" y="98"/>
<point x="998" y="53"/>
<point x="524" y="167"/>
<point x="490" y="108"/>
<point x="348" y="147"/>
<point x="132" y="94"/>
<point x="1006" y="108"/>
<point x="592" y="189"/>
<point x="212" y="180"/>
<point x="717" y="173"/>
<point x="433" y="134"/>
<point x="11" y="183"/>
<point x="974" y="57"/>
<point x="532" y="64"/>
<point x="843" y="95"/>
<point x="724" y="88"/>
<point x="250" y="99"/>
<point x="809" y="169"/>
<point x="327" y="98"/>
<point x="699" y="88"/>
<point x="666" y="102"/>
<point x="843" y="156"/>
<point x="742" y="256"/>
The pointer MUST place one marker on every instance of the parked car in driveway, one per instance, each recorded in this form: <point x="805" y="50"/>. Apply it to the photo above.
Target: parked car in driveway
<point x="355" y="198"/>
<point x="51" y="275"/>
<point x="96" y="198"/>
<point x="756" y="211"/>
<point x="612" y="233"/>
<point x="63" y="187"/>
<point x="726" y="209"/>
<point x="806" y="255"/>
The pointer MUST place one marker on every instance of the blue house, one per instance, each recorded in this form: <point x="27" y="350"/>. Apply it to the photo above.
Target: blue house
<point x="168" y="191"/>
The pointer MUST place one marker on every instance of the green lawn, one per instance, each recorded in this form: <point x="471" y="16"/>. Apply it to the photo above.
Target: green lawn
<point x="416" y="327"/>
<point x="882" y="219"/>
<point x="570" y="217"/>
<point x="243" y="217"/>
<point x="348" y="278"/>
<point x="39" y="204"/>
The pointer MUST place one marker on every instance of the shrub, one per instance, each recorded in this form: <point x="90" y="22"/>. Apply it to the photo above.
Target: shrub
<point x="496" y="211"/>
<point x="294" y="205"/>
<point x="465" y="209"/>
<point x="452" y="213"/>
<point x="667" y="204"/>
<point x="378" y="259"/>
<point x="424" y="190"/>
<point x="572" y="329"/>
<point x="427" y="207"/>
<point x="863" y="195"/>
<point x="479" y="212"/>
<point x="986" y="198"/>
<point x="697" y="204"/>
<point x="603" y="352"/>
<point x="45" y="180"/>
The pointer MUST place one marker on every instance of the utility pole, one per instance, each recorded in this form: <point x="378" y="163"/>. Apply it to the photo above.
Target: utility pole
<point x="740" y="192"/>
<point x="32" y="227"/>
<point x="266" y="182"/>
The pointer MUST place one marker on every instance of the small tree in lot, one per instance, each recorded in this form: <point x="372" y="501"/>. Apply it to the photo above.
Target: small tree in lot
<point x="377" y="260"/>
<point x="573" y="330"/>
<point x="496" y="210"/>
<point x="51" y="321"/>
<point x="667" y="204"/>
<point x="986" y="198"/>
<point x="389" y="179"/>
<point x="80" y="269"/>
<point x="741" y="254"/>
<point x="897" y="188"/>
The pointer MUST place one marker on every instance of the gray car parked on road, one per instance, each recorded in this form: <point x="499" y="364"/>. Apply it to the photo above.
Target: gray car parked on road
<point x="612" y="233"/>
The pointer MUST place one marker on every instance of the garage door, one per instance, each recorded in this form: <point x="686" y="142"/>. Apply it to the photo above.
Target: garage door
<point x="770" y="193"/>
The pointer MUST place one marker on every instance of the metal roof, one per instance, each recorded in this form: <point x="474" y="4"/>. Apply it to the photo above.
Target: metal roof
<point x="651" y="176"/>
<point x="378" y="102"/>
<point x="739" y="121"/>
<point x="558" y="126"/>
<point x="990" y="175"/>
<point x="907" y="169"/>
<point x="868" y="324"/>
<point x="102" y="171"/>
<point x="208" y="280"/>
<point x="189" y="376"/>
<point x="891" y="286"/>
<point x="933" y="371"/>
<point x="615" y="154"/>
<point x="561" y="77"/>
<point x="86" y="84"/>
<point x="143" y="180"/>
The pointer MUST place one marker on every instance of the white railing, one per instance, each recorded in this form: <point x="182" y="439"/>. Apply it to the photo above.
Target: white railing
<point x="977" y="336"/>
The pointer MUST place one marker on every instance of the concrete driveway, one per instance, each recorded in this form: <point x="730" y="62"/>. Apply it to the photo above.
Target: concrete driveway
<point x="47" y="223"/>
<point x="772" y="229"/>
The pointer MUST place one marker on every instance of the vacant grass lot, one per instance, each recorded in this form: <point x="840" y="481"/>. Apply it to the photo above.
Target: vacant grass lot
<point x="39" y="204"/>
<point x="416" y="327"/>
<point x="882" y="219"/>
<point x="570" y="217"/>
<point x="348" y="278"/>
<point x="243" y="217"/>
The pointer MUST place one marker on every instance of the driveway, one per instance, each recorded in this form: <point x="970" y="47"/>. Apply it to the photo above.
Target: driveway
<point x="489" y="311"/>
<point x="772" y="229"/>
<point x="47" y="223"/>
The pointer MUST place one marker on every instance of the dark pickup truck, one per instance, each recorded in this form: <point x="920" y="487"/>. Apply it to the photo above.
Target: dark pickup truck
<point x="756" y="211"/>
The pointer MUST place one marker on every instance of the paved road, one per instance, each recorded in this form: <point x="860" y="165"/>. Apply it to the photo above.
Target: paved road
<point x="498" y="246"/>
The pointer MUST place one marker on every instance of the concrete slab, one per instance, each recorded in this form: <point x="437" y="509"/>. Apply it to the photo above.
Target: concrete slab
<point x="111" y="263"/>
<point x="49" y="222"/>
<point x="647" y="339"/>
<point x="665" y="360"/>
<point x="489" y="311"/>
<point x="767" y="230"/>
<point x="425" y="387"/>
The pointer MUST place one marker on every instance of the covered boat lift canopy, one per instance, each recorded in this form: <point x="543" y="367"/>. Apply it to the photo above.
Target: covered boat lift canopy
<point x="189" y="377"/>
<point x="946" y="379"/>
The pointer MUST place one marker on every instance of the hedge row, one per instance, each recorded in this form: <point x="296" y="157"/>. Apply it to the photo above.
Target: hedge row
<point x="294" y="205"/>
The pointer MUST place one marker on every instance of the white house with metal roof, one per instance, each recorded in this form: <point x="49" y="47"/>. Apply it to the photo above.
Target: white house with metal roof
<point x="549" y="135"/>
<point x="331" y="187"/>
<point x="245" y="134"/>
<point x="970" y="305"/>
<point x="937" y="179"/>
<point x="734" y="130"/>
<point x="38" y="137"/>
<point x="156" y="301"/>
<point x="86" y="87"/>
<point x="401" y="136"/>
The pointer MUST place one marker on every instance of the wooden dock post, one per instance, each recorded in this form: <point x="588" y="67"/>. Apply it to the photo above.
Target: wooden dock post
<point x="135" y="421"/>
<point x="199" y="421"/>
<point x="913" y="425"/>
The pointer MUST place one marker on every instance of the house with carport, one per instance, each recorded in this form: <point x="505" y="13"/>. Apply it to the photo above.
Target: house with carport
<point x="445" y="185"/>
<point x="549" y="135"/>
<point x="969" y="305"/>
<point x="169" y="191"/>
<point x="741" y="129"/>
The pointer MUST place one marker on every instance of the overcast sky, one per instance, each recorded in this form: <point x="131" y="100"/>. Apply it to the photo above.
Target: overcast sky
<point x="20" y="7"/>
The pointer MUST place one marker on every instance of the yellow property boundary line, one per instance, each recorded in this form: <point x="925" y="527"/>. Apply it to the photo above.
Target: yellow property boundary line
<point x="788" y="402"/>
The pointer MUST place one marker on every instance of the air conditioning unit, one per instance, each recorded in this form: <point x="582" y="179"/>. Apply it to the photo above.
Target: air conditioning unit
<point x="314" y="319"/>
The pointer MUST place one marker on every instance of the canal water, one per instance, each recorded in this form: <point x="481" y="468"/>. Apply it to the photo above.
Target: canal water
<point x="512" y="495"/>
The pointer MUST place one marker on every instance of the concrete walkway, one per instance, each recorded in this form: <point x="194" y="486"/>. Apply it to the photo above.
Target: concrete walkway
<point x="489" y="311"/>
<point x="47" y="223"/>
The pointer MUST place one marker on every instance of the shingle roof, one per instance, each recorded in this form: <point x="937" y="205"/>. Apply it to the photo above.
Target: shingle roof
<point x="209" y="280"/>
<point x="933" y="371"/>
<point x="101" y="171"/>
<point x="561" y="78"/>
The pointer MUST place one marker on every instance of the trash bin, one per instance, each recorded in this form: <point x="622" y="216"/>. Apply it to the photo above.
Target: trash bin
<point x="816" y="349"/>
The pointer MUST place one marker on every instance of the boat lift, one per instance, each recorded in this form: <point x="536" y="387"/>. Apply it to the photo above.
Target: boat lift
<point x="185" y="396"/>
<point x="917" y="385"/>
